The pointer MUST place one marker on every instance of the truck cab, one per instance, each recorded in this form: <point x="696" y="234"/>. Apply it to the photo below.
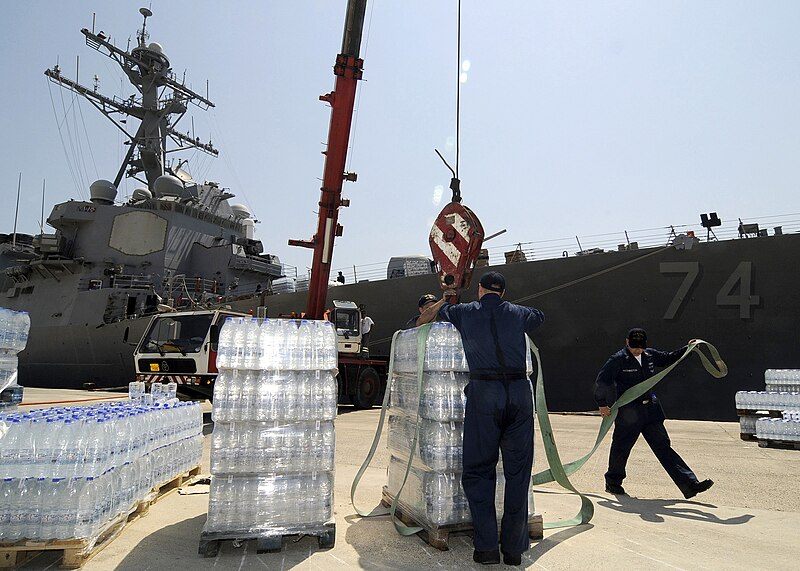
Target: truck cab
<point x="347" y="320"/>
<point x="182" y="347"/>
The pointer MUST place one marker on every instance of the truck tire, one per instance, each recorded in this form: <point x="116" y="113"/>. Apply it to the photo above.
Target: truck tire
<point x="368" y="388"/>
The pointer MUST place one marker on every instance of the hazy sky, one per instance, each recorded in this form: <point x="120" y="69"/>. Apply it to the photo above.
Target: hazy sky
<point x="576" y="117"/>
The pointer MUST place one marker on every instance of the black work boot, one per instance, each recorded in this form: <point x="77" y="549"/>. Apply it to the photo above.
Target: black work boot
<point x="615" y="489"/>
<point x="697" y="488"/>
<point x="486" y="557"/>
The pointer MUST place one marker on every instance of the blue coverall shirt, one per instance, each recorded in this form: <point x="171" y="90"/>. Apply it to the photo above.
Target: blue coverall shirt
<point x="478" y="328"/>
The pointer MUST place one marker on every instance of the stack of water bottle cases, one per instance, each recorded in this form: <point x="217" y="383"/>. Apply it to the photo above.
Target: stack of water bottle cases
<point x="780" y="400"/>
<point x="14" y="327"/>
<point x="70" y="472"/>
<point x="432" y="494"/>
<point x="272" y="451"/>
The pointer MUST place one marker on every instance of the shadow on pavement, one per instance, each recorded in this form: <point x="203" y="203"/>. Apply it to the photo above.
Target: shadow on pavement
<point x="658" y="510"/>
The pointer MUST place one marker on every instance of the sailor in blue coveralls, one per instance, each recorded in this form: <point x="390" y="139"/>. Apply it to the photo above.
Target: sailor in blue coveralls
<point x="498" y="416"/>
<point x="624" y="369"/>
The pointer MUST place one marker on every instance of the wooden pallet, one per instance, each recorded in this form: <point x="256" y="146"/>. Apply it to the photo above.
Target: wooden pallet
<point x="438" y="536"/>
<point x="266" y="541"/>
<point x="76" y="552"/>
<point x="785" y="444"/>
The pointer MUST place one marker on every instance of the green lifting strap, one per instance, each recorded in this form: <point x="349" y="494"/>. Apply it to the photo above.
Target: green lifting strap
<point x="402" y="529"/>
<point x="559" y="472"/>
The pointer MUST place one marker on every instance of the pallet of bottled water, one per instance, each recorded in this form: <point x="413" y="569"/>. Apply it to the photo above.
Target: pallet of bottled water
<point x="781" y="432"/>
<point x="272" y="449"/>
<point x="70" y="474"/>
<point x="426" y="425"/>
<point x="782" y="380"/>
<point x="14" y="328"/>
<point x="778" y="402"/>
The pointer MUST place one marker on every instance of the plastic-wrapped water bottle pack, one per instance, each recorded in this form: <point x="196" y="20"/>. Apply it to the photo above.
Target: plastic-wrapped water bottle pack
<point x="68" y="471"/>
<point x="272" y="456"/>
<point x="432" y="493"/>
<point x="14" y="328"/>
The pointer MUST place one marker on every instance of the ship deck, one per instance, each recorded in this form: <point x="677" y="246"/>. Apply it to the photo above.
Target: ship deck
<point x="748" y="520"/>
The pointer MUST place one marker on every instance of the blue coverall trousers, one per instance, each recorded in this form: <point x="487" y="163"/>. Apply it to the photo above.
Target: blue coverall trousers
<point x="498" y="416"/>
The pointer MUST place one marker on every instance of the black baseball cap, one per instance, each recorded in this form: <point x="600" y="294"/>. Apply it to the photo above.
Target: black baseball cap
<point x="493" y="281"/>
<point x="427" y="298"/>
<point x="637" y="338"/>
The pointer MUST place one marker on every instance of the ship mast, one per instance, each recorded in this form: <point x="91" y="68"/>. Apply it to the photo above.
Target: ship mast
<point x="148" y="69"/>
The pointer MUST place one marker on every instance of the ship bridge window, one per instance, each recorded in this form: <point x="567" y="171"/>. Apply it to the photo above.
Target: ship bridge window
<point x="181" y="334"/>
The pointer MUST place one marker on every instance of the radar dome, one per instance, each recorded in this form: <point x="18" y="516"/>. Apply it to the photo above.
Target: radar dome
<point x="142" y="194"/>
<point x="168" y="185"/>
<point x="102" y="192"/>
<point x="240" y="211"/>
<point x="155" y="47"/>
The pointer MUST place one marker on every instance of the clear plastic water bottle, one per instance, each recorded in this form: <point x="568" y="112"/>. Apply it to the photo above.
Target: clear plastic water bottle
<point x="86" y="516"/>
<point x="292" y="339"/>
<point x="225" y="344"/>
<point x="220" y="411"/>
<point x="18" y="510"/>
<point x="8" y="488"/>
<point x="304" y="389"/>
<point x="265" y="397"/>
<point x="239" y="341"/>
<point x="305" y="339"/>
<point x="4" y="329"/>
<point x="36" y="487"/>
<point x="234" y="392"/>
<point x="46" y="431"/>
<point x="172" y="390"/>
<point x="251" y="357"/>
<point x="248" y="396"/>
<point x="24" y="328"/>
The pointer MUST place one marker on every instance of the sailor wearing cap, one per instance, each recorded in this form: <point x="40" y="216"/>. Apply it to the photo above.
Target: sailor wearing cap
<point x="498" y="416"/>
<point x="624" y="369"/>
<point x="426" y="301"/>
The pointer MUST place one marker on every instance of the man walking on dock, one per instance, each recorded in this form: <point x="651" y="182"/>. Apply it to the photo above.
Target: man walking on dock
<point x="630" y="366"/>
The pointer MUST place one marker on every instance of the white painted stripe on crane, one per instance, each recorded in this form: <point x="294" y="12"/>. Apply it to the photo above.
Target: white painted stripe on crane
<point x="461" y="226"/>
<point x="326" y="245"/>
<point x="448" y="248"/>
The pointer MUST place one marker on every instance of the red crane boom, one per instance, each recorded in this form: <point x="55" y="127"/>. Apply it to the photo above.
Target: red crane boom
<point x="348" y="71"/>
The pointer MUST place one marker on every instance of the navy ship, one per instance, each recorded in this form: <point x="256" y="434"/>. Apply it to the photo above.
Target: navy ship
<point x="92" y="285"/>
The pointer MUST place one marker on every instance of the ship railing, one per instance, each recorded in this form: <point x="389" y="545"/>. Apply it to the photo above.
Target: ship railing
<point x="123" y="281"/>
<point x="248" y="263"/>
<point x="626" y="240"/>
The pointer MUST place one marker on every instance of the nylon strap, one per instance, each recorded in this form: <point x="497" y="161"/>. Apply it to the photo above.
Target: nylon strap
<point x="402" y="529"/>
<point x="559" y="472"/>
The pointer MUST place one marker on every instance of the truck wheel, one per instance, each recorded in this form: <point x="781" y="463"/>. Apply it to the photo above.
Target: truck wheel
<point x="367" y="389"/>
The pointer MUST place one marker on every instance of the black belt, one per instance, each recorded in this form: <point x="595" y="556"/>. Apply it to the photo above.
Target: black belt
<point x="513" y="376"/>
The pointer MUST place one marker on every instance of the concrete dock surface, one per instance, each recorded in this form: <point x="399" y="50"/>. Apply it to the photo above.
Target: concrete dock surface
<point x="750" y="519"/>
